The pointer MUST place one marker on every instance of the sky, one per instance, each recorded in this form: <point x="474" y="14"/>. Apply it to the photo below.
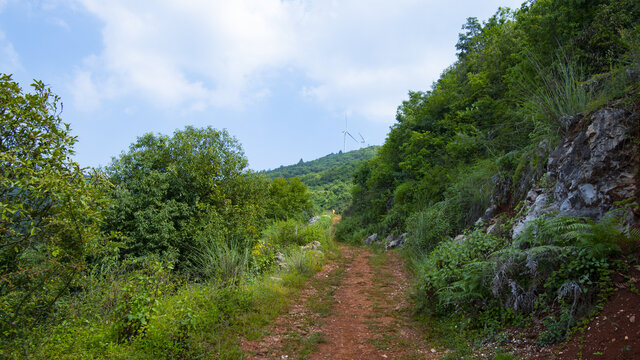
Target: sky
<point x="280" y="75"/>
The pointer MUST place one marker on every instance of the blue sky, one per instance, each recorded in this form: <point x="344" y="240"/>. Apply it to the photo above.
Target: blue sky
<point x="280" y="75"/>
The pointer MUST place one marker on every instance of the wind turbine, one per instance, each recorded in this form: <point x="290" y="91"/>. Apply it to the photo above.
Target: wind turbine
<point x="361" y="137"/>
<point x="346" y="132"/>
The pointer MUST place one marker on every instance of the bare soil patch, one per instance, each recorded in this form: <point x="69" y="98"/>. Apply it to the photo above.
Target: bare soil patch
<point x="367" y="315"/>
<point x="615" y="332"/>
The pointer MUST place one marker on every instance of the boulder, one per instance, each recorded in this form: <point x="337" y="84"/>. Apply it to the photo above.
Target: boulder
<point x="280" y="259"/>
<point x="393" y="243"/>
<point x="371" y="239"/>
<point x="314" y="245"/>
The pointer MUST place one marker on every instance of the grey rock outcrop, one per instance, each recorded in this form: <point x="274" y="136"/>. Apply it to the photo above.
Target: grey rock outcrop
<point x="395" y="242"/>
<point x="596" y="165"/>
<point x="371" y="239"/>
<point x="314" y="245"/>
<point x="281" y="260"/>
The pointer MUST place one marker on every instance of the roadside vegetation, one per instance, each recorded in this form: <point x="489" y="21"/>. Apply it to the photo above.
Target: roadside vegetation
<point x="175" y="250"/>
<point x="481" y="136"/>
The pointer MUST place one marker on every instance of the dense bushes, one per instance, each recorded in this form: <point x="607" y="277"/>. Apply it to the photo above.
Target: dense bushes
<point x="171" y="240"/>
<point x="519" y="78"/>
<point x="556" y="265"/>
<point x="288" y="199"/>
<point x="141" y="309"/>
<point x="50" y="208"/>
<point x="174" y="195"/>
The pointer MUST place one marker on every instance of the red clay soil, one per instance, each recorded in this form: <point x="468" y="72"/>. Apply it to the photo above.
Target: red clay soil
<point x="615" y="332"/>
<point x="369" y="319"/>
<point x="299" y="319"/>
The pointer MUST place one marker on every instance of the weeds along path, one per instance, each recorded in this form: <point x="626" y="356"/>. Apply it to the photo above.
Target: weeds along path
<point x="355" y="308"/>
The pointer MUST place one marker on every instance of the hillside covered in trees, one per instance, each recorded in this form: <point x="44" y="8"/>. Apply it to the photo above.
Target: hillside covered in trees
<point x="327" y="178"/>
<point x="511" y="129"/>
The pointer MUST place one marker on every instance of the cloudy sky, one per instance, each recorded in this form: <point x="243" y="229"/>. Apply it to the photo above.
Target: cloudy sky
<point x="280" y="75"/>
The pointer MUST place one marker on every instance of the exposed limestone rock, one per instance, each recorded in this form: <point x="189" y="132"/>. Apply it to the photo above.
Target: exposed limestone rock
<point x="590" y="170"/>
<point x="393" y="243"/>
<point x="314" y="245"/>
<point x="371" y="239"/>
<point x="281" y="260"/>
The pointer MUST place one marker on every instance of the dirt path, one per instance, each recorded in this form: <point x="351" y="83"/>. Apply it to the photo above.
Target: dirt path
<point x="356" y="308"/>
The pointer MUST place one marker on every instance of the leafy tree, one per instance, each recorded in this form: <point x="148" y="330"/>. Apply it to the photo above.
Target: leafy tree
<point x="288" y="199"/>
<point x="175" y="194"/>
<point x="50" y="208"/>
<point x="486" y="107"/>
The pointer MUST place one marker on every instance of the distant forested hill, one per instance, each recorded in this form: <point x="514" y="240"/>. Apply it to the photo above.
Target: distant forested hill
<point x="329" y="177"/>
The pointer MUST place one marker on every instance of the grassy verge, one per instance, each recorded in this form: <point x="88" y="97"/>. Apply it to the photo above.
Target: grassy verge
<point x="155" y="314"/>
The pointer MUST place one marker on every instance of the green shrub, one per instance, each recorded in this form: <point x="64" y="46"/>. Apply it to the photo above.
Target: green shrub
<point x="556" y="327"/>
<point x="428" y="228"/>
<point x="50" y="211"/>
<point x="137" y="299"/>
<point x="555" y="94"/>
<point x="457" y="274"/>
<point x="558" y="262"/>
<point x="304" y="262"/>
<point x="285" y="232"/>
<point x="223" y="263"/>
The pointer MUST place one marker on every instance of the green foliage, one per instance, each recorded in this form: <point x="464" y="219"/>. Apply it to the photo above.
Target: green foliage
<point x="176" y="194"/>
<point x="137" y="300"/>
<point x="304" y="262"/>
<point x="288" y="199"/>
<point x="558" y="263"/>
<point x="291" y="232"/>
<point x="556" y="94"/>
<point x="140" y="309"/>
<point x="328" y="178"/>
<point x="456" y="274"/>
<point x="428" y="228"/>
<point x="519" y="78"/>
<point x="224" y="263"/>
<point x="50" y="208"/>
<point x="556" y="327"/>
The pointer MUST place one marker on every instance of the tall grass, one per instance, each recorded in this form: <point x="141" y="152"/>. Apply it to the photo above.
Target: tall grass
<point x="143" y="310"/>
<point x="556" y="93"/>
<point x="224" y="263"/>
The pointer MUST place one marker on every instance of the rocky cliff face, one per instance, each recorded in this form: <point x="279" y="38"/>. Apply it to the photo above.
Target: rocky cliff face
<point x="596" y="165"/>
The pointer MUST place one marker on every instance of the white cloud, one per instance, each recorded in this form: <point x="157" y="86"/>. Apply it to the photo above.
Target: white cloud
<point x="356" y="55"/>
<point x="9" y="58"/>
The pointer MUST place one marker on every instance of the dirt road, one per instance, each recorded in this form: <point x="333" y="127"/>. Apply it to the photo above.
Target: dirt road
<point x="356" y="308"/>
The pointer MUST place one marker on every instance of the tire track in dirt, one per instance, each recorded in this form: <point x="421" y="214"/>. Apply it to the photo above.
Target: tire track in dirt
<point x="369" y="318"/>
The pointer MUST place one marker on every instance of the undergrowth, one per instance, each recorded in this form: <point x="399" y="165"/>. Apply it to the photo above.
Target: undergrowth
<point x="142" y="309"/>
<point x="558" y="269"/>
